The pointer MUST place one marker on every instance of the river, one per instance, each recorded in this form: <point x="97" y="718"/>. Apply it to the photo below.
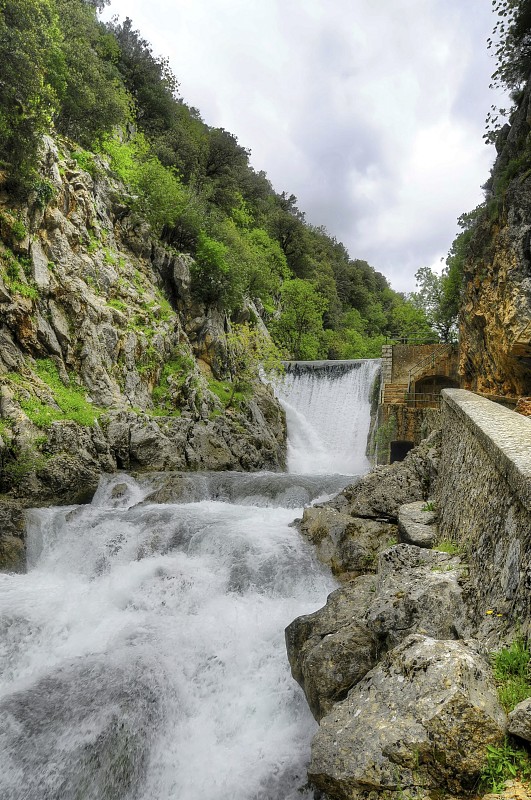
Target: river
<point x="142" y="654"/>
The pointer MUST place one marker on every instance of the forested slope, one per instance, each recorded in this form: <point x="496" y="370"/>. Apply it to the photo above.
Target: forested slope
<point x="146" y="268"/>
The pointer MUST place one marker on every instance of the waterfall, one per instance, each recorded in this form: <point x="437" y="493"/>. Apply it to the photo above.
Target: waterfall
<point x="328" y="412"/>
<point x="143" y="652"/>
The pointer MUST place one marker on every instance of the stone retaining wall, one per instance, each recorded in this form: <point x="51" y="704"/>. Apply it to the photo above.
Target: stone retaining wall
<point x="484" y="501"/>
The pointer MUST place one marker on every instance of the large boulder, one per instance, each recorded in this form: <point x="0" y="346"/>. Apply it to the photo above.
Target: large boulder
<point x="414" y="591"/>
<point x="330" y="651"/>
<point x="421" y="719"/>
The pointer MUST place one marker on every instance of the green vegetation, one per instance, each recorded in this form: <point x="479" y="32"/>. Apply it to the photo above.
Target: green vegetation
<point x="512" y="672"/>
<point x="173" y="376"/>
<point x="428" y="506"/>
<point x="505" y="763"/>
<point x="447" y="546"/>
<point x="67" y="402"/>
<point x="101" y="85"/>
<point x="250" y="353"/>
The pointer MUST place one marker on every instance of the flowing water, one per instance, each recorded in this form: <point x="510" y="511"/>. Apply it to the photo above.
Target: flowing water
<point x="142" y="656"/>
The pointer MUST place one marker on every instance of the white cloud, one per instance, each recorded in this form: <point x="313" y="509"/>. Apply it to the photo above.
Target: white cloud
<point x="370" y="112"/>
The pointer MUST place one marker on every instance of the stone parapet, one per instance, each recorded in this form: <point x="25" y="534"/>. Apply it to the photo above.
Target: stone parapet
<point x="484" y="500"/>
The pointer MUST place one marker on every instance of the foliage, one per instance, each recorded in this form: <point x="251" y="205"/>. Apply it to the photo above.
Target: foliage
<point x="511" y="46"/>
<point x="102" y="86"/>
<point x="69" y="402"/>
<point x="250" y="354"/>
<point x="93" y="97"/>
<point x="504" y="763"/>
<point x="438" y="297"/>
<point x="512" y="672"/>
<point x="172" y="378"/>
<point x="32" y="76"/>
<point x="299" y="328"/>
<point x="383" y="438"/>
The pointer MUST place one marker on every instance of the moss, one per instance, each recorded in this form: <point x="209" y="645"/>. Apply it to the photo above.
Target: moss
<point x="69" y="402"/>
<point x="118" y="304"/>
<point x="172" y="378"/>
<point x="12" y="554"/>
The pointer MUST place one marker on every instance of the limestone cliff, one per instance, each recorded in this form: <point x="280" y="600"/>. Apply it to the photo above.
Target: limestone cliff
<point x="495" y="319"/>
<point x="106" y="359"/>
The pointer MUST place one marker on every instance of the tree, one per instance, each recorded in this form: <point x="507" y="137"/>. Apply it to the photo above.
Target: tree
<point x="31" y="79"/>
<point x="299" y="327"/>
<point x="94" y="99"/>
<point x="437" y="297"/>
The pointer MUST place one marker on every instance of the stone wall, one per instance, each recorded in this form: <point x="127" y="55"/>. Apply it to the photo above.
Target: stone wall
<point x="484" y="502"/>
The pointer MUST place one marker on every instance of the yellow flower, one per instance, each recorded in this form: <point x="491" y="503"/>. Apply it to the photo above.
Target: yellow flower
<point x="490" y="611"/>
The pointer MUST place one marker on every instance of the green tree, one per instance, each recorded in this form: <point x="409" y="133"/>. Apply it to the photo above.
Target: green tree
<point x="436" y="297"/>
<point x="31" y="79"/>
<point x="94" y="99"/>
<point x="299" y="328"/>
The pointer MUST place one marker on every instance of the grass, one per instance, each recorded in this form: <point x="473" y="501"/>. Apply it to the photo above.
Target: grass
<point x="69" y="403"/>
<point x="504" y="763"/>
<point x="447" y="546"/>
<point x="512" y="673"/>
<point x="511" y="667"/>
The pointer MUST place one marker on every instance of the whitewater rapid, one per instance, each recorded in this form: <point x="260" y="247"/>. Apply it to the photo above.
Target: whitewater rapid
<point x="142" y="656"/>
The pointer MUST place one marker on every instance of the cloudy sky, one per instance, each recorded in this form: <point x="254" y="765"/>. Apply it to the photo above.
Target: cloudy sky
<point x="370" y="111"/>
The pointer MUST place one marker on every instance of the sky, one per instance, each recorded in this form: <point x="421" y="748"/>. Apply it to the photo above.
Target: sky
<point x="371" y="112"/>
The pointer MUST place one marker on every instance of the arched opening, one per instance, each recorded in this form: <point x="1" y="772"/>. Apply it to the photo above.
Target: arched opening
<point x="433" y="384"/>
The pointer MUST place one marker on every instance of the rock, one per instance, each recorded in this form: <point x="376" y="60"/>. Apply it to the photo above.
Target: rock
<point x="421" y="719"/>
<point x="417" y="591"/>
<point x="520" y="720"/>
<point x="12" y="551"/>
<point x="40" y="269"/>
<point x="349" y="546"/>
<point x="380" y="494"/>
<point x="416" y="524"/>
<point x="329" y="651"/>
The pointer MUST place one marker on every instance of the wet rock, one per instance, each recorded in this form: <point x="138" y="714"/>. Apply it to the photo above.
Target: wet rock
<point x="12" y="551"/>
<point x="330" y="651"/>
<point x="417" y="524"/>
<point x="349" y="546"/>
<point x="421" y="719"/>
<point x="520" y="720"/>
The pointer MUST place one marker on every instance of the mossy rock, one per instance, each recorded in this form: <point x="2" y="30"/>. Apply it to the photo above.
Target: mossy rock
<point x="12" y="554"/>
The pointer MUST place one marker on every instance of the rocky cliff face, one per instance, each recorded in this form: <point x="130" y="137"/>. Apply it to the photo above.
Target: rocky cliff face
<point x="106" y="359"/>
<point x="495" y="320"/>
